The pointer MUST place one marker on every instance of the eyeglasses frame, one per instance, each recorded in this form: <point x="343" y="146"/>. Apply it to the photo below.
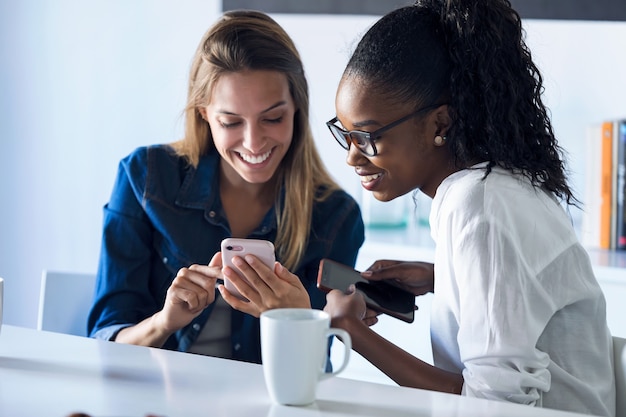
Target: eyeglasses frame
<point x="347" y="135"/>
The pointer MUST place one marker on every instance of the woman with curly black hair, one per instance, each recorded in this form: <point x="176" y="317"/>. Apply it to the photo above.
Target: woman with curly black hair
<point x="443" y="97"/>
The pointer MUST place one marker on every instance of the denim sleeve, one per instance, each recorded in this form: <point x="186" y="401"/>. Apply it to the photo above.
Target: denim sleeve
<point x="338" y="234"/>
<point x="109" y="333"/>
<point x="126" y="291"/>
<point x="349" y="236"/>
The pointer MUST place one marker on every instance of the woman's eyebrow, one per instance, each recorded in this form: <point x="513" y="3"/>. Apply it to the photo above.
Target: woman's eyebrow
<point x="368" y="122"/>
<point x="273" y="106"/>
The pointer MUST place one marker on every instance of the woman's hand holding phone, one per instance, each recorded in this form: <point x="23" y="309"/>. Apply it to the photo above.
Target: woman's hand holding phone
<point x="259" y="286"/>
<point x="415" y="277"/>
<point x="381" y="296"/>
<point x="350" y="304"/>
<point x="340" y="304"/>
<point x="192" y="291"/>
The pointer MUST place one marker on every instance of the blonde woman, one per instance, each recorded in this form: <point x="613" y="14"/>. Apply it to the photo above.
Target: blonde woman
<point x="247" y="167"/>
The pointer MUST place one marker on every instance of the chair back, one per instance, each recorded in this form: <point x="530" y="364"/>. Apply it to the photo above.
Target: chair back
<point x="619" y="354"/>
<point x="64" y="302"/>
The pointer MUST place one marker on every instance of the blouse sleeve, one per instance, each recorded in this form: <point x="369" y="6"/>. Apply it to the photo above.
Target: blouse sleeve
<point x="502" y="313"/>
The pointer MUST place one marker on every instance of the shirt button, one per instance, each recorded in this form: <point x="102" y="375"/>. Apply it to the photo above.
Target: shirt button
<point x="237" y="346"/>
<point x="196" y="327"/>
<point x="165" y="260"/>
<point x="211" y="214"/>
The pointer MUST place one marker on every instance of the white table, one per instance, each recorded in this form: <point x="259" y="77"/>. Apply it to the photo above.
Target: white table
<point x="50" y="374"/>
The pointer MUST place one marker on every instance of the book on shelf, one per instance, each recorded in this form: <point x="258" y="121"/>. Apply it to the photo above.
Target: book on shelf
<point x="590" y="235"/>
<point x="604" y="208"/>
<point x="620" y="215"/>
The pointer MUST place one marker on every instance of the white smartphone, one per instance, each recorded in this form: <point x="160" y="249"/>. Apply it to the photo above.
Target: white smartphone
<point x="262" y="249"/>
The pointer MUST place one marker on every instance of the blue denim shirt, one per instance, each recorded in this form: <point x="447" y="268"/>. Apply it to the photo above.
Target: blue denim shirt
<point x="164" y="215"/>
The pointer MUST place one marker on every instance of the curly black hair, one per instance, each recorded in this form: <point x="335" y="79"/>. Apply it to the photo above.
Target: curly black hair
<point x="471" y="55"/>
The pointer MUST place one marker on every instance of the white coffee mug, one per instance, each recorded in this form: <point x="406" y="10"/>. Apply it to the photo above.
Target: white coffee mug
<point x="294" y="349"/>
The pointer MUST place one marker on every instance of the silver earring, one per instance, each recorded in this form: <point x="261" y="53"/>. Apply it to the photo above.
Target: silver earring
<point x="439" y="140"/>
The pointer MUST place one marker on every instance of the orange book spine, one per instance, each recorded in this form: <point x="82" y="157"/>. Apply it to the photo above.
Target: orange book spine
<point x="606" y="188"/>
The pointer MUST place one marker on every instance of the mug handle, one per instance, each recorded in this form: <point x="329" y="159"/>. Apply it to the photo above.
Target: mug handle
<point x="347" y="343"/>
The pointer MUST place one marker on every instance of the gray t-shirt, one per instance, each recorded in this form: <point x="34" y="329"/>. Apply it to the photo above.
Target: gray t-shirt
<point x="214" y="338"/>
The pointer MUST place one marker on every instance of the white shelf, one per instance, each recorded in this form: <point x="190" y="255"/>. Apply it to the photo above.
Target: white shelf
<point x="415" y="242"/>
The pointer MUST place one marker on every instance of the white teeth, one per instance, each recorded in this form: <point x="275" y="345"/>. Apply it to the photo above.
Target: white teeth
<point x="368" y="178"/>
<point x="252" y="159"/>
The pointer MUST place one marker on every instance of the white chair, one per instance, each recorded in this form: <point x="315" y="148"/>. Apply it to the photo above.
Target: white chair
<point x="619" y="354"/>
<point x="64" y="302"/>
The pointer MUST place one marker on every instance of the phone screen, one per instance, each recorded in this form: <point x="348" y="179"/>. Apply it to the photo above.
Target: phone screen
<point x="379" y="295"/>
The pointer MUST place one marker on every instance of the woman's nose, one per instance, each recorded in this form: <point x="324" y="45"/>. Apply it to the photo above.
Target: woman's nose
<point x="354" y="157"/>
<point x="253" y="138"/>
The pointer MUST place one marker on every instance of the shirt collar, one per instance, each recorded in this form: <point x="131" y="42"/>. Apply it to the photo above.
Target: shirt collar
<point x="200" y="190"/>
<point x="200" y="186"/>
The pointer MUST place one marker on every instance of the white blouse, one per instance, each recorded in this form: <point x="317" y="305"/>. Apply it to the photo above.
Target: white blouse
<point x="517" y="308"/>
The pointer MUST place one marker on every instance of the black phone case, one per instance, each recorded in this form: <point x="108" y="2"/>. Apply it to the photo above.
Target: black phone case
<point x="379" y="296"/>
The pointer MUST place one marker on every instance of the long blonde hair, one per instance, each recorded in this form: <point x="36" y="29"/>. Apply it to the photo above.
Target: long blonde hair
<point x="250" y="40"/>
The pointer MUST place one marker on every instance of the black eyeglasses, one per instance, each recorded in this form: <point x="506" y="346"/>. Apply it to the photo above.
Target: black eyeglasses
<point x="364" y="141"/>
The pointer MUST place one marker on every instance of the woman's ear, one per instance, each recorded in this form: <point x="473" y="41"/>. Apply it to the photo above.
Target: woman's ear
<point x="202" y="112"/>
<point x="442" y="120"/>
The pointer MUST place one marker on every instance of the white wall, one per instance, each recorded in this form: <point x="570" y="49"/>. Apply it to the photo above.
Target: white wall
<point x="83" y="83"/>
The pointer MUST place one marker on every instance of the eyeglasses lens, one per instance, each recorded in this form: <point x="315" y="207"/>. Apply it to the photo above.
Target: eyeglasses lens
<point x="340" y="136"/>
<point x="359" y="139"/>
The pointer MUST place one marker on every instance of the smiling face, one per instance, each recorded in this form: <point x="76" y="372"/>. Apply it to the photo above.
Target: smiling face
<point x="408" y="157"/>
<point x="251" y="116"/>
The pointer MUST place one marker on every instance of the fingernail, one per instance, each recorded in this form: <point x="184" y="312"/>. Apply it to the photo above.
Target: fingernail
<point x="366" y="274"/>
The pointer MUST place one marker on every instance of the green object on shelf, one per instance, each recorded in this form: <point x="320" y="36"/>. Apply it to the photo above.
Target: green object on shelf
<point x="392" y="214"/>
